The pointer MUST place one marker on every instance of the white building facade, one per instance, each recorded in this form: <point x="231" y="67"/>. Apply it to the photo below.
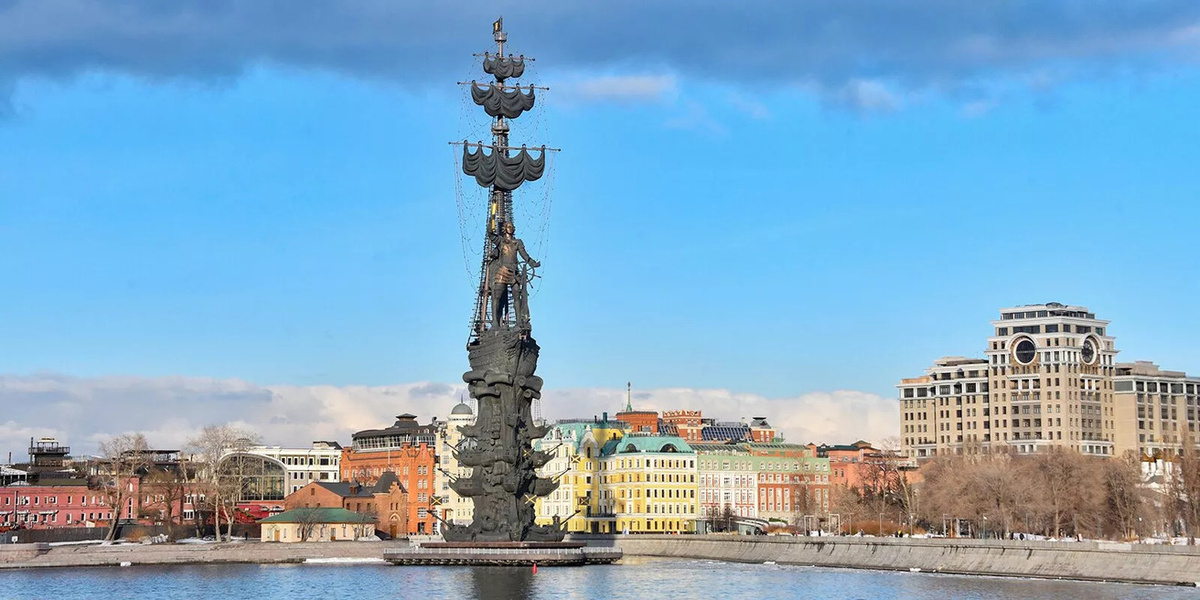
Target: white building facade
<point x="321" y="462"/>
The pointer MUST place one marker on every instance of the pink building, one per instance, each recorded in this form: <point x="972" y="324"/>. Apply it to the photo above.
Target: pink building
<point x="44" y="506"/>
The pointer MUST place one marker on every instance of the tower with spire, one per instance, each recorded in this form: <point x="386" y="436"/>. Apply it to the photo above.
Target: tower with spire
<point x="640" y="421"/>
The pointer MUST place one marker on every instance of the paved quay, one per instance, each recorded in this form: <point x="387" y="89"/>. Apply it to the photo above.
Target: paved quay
<point x="1084" y="561"/>
<point x="24" y="556"/>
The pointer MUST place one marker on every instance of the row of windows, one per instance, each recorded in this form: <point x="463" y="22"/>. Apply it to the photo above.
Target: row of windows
<point x="945" y="390"/>
<point x="638" y="463"/>
<point x="37" y="500"/>
<point x="1039" y="314"/>
<point x="1155" y="387"/>
<point x="1051" y="328"/>
<point x="959" y="374"/>
<point x="394" y="441"/>
<point x="19" y="518"/>
<point x="300" y="461"/>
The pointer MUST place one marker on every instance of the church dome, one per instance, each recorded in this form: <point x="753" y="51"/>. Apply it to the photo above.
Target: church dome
<point x="462" y="409"/>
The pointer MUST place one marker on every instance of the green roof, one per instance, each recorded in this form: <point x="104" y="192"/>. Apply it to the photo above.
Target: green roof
<point x="317" y="515"/>
<point x="580" y="430"/>
<point x="647" y="443"/>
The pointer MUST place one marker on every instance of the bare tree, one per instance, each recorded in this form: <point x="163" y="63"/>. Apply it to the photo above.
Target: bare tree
<point x="1056" y="493"/>
<point x="886" y="488"/>
<point x="1183" y="487"/>
<point x="307" y="520"/>
<point x="726" y="518"/>
<point x="1123" y="495"/>
<point x="123" y="458"/>
<point x="1063" y="480"/>
<point x="222" y="488"/>
<point x="848" y="503"/>
<point x="170" y="483"/>
<point x="362" y="519"/>
<point x="802" y="501"/>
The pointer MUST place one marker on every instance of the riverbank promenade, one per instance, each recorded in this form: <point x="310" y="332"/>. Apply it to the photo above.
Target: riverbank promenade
<point x="1084" y="561"/>
<point x="95" y="555"/>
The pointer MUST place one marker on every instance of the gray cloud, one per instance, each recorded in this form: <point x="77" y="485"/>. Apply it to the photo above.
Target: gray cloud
<point x="825" y="45"/>
<point x="170" y="410"/>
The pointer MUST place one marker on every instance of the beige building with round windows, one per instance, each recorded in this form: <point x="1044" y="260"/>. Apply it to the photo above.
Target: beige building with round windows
<point x="1047" y="379"/>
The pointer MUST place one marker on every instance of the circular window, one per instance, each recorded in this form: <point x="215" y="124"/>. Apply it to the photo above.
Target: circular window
<point x="1089" y="351"/>
<point x="1025" y="351"/>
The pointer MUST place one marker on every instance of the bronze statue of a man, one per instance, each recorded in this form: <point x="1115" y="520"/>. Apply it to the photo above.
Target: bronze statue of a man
<point x="504" y="273"/>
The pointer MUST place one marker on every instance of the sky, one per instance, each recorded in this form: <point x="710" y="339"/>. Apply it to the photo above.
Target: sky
<point x="248" y="210"/>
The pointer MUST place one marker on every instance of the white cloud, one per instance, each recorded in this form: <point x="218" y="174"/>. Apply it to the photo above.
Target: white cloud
<point x="841" y="416"/>
<point x="83" y="411"/>
<point x="621" y="88"/>
<point x="978" y="108"/>
<point x="14" y="437"/>
<point x="695" y="117"/>
<point x="867" y="95"/>
<point x="750" y="107"/>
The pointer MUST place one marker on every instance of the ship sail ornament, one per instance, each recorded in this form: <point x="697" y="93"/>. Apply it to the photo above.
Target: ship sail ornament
<point x="502" y="352"/>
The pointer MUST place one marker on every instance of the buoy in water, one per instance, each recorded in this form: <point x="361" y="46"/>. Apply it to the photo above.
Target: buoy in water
<point x="535" y="568"/>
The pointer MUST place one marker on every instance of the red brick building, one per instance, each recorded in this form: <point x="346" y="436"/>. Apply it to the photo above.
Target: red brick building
<point x="845" y="461"/>
<point x="687" y="424"/>
<point x="791" y="480"/>
<point x="639" y="421"/>
<point x="69" y="504"/>
<point x="406" y="449"/>
<point x="386" y="500"/>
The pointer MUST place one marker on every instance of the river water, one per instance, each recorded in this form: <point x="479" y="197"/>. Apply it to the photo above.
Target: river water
<point x="635" y="579"/>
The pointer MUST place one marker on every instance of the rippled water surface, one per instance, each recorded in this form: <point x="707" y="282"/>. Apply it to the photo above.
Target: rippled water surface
<point x="634" y="579"/>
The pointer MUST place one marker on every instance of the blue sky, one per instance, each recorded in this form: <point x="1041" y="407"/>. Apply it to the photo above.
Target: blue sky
<point x="775" y="211"/>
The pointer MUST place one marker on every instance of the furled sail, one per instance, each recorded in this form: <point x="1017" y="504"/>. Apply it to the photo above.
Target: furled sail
<point x="499" y="102"/>
<point x="503" y="67"/>
<point x="505" y="172"/>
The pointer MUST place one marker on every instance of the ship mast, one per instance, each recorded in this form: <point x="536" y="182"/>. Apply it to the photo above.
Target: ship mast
<point x="499" y="202"/>
<point x="501" y="172"/>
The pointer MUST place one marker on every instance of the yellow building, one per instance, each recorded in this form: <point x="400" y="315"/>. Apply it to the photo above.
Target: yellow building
<point x="612" y="481"/>
<point x="576" y="447"/>
<point x="648" y="484"/>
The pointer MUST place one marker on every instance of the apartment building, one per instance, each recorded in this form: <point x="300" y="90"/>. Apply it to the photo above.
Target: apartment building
<point x="1045" y="380"/>
<point x="1156" y="410"/>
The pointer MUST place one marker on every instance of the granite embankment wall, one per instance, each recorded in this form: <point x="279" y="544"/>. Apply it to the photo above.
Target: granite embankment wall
<point x="43" y="555"/>
<point x="1095" y="561"/>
